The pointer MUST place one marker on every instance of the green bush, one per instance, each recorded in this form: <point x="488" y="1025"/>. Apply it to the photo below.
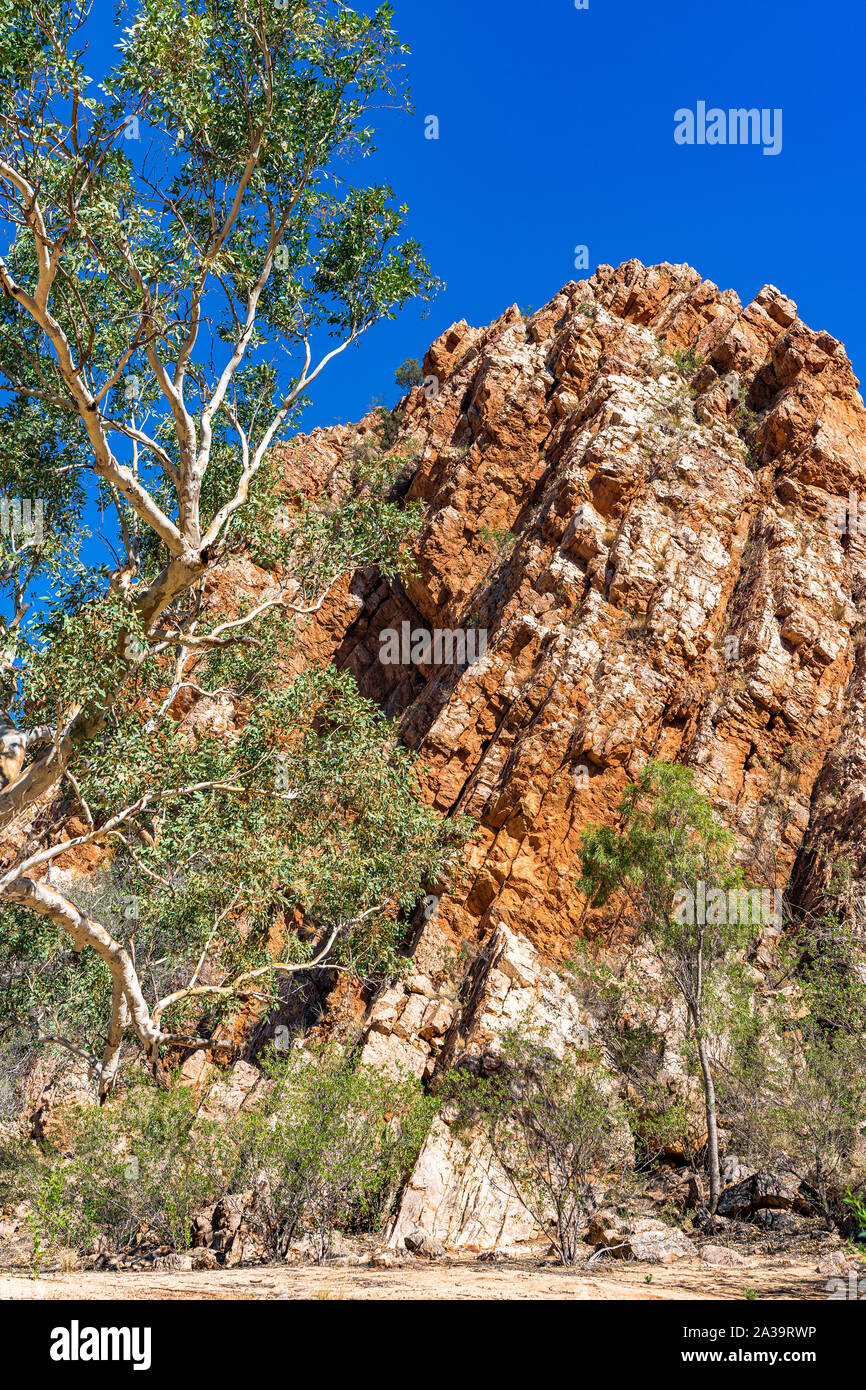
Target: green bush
<point x="409" y="373"/>
<point x="329" y="1149"/>
<point x="794" y="1079"/>
<point x="136" y="1169"/>
<point x="329" y="1146"/>
<point x="671" y="841"/>
<point x="20" y="1172"/>
<point x="554" y="1127"/>
<point x="688" y="361"/>
<point x="745" y="420"/>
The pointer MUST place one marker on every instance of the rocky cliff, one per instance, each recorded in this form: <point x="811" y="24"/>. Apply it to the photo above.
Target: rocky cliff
<point x="643" y="502"/>
<point x="666" y="560"/>
<point x="641" y="518"/>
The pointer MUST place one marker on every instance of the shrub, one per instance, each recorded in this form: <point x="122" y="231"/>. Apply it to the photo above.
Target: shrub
<point x="136" y="1169"/>
<point x="554" y="1127"/>
<point x="671" y="841"/>
<point x="745" y="420"/>
<point x="661" y="1121"/>
<point x="688" y="361"/>
<point x="410" y="373"/>
<point x="329" y="1148"/>
<point x="496" y="535"/>
<point x="20" y="1172"/>
<point x="795" y="1081"/>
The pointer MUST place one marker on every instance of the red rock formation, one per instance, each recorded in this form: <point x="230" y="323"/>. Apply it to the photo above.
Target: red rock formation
<point x="653" y="556"/>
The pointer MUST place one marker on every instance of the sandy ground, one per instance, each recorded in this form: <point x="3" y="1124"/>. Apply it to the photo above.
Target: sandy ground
<point x="444" y="1279"/>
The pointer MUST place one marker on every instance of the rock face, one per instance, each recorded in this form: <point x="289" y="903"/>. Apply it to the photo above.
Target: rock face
<point x="641" y="506"/>
<point x="665" y="562"/>
<point x="458" y="1192"/>
<point x="459" y="1195"/>
<point x="643" y="537"/>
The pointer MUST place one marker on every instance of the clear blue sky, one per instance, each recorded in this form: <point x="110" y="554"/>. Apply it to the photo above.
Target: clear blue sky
<point x="556" y="129"/>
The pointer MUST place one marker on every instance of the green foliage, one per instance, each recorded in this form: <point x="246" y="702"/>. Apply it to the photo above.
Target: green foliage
<point x="794" y="1079"/>
<point x="259" y="105"/>
<point x="688" y="361"/>
<point x="167" y="304"/>
<point x="672" y="847"/>
<point x="497" y="535"/>
<point x="360" y="523"/>
<point x="555" y="1128"/>
<point x="745" y="420"/>
<point x="316" y="814"/>
<point x="328" y="1148"/>
<point x="661" y="1121"/>
<point x="254" y="106"/>
<point x="20" y="1172"/>
<point x="675" y="407"/>
<point x="671" y="841"/>
<point x="858" y="1211"/>
<point x="326" y="1144"/>
<point x="410" y="373"/>
<point x="137" y="1169"/>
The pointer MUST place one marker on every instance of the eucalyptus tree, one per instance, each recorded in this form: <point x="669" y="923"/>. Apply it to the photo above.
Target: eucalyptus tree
<point x="184" y="252"/>
<point x="673" y="869"/>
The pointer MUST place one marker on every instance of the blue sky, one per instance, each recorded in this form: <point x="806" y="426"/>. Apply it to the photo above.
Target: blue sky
<point x="556" y="130"/>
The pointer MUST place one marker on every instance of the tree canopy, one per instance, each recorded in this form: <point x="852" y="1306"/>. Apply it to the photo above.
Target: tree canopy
<point x="185" y="250"/>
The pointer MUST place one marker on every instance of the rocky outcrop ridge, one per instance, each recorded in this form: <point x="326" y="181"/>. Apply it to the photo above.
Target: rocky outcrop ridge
<point x="656" y="555"/>
<point x="646" y="497"/>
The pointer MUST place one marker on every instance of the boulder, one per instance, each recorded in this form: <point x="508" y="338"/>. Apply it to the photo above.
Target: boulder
<point x="383" y="1259"/>
<point x="460" y="1196"/>
<point x="458" y="1192"/>
<point x="723" y="1258"/>
<point x="779" y="1221"/>
<point x="174" y="1262"/>
<point x="420" y="1243"/>
<point x="652" y="1242"/>
<point x="604" y="1229"/>
<point x="763" y="1189"/>
<point x="734" y="1170"/>
<point x="839" y="1263"/>
<point x="204" y="1258"/>
<point x="646" y="1239"/>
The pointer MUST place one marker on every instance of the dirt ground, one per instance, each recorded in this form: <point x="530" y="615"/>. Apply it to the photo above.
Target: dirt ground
<point x="441" y="1280"/>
